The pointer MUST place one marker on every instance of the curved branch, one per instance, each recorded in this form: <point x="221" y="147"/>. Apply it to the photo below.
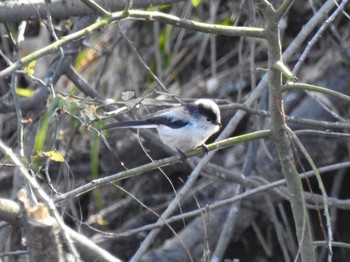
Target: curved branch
<point x="159" y="163"/>
<point x="198" y="26"/>
<point x="170" y="19"/>
<point x="14" y="11"/>
<point x="53" y="47"/>
<point x="315" y="88"/>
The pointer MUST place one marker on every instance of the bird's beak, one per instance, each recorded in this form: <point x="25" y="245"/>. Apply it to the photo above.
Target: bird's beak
<point x="218" y="124"/>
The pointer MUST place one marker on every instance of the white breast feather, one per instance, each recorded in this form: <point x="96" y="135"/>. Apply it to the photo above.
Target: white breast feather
<point x="188" y="137"/>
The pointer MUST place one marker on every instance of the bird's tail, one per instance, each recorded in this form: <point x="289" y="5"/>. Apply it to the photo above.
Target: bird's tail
<point x="131" y="124"/>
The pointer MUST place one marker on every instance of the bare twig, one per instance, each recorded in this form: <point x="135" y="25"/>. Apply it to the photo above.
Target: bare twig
<point x="136" y="14"/>
<point x="96" y="7"/>
<point x="81" y="83"/>
<point x="314" y="88"/>
<point x="342" y="204"/>
<point x="47" y="200"/>
<point x="307" y="29"/>
<point x="322" y="188"/>
<point x="279" y="134"/>
<point x="132" y="47"/>
<point x="14" y="11"/>
<point x="318" y="35"/>
<point x="158" y="163"/>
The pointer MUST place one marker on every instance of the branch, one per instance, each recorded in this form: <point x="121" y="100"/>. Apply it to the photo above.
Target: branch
<point x="258" y="187"/>
<point x="53" y="47"/>
<point x="320" y="185"/>
<point x="318" y="35"/>
<point x="307" y="29"/>
<point x="318" y="89"/>
<point x="279" y="134"/>
<point x="149" y="16"/>
<point x="37" y="189"/>
<point x="159" y="163"/>
<point x="40" y="229"/>
<point x="198" y="26"/>
<point x="15" y="11"/>
<point x="96" y="7"/>
<point x="284" y="70"/>
<point x="283" y="8"/>
<point x="10" y="212"/>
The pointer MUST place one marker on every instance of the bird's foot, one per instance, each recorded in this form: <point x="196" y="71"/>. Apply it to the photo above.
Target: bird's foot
<point x="182" y="155"/>
<point x="205" y="148"/>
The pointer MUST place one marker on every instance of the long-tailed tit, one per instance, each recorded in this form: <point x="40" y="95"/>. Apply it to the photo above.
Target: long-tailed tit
<point x="185" y="127"/>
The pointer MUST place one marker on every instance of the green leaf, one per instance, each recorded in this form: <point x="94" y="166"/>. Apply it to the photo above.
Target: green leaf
<point x="24" y="92"/>
<point x="54" y="155"/>
<point x="163" y="40"/>
<point x="158" y="8"/>
<point x="30" y="68"/>
<point x="196" y="3"/>
<point x="227" y="22"/>
<point x="45" y="123"/>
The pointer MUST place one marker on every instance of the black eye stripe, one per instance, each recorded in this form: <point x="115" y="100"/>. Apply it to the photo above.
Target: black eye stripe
<point x="208" y="113"/>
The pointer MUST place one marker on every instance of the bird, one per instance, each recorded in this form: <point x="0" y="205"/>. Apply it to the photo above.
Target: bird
<point x="184" y="127"/>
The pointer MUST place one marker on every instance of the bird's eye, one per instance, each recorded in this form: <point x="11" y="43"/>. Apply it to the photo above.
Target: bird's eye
<point x="208" y="119"/>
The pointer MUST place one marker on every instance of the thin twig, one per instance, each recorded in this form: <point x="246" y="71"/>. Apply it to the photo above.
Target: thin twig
<point x="47" y="200"/>
<point x="136" y="14"/>
<point x="318" y="35"/>
<point x="338" y="203"/>
<point x="14" y="253"/>
<point x="137" y="54"/>
<point x="314" y="88"/>
<point x="96" y="7"/>
<point x="158" y="163"/>
<point x="307" y="30"/>
<point x="322" y="188"/>
<point x="128" y="5"/>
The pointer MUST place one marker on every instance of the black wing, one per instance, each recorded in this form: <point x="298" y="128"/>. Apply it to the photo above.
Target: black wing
<point x="167" y="121"/>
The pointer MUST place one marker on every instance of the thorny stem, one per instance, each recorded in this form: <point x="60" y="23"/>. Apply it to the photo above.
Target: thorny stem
<point x="279" y="133"/>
